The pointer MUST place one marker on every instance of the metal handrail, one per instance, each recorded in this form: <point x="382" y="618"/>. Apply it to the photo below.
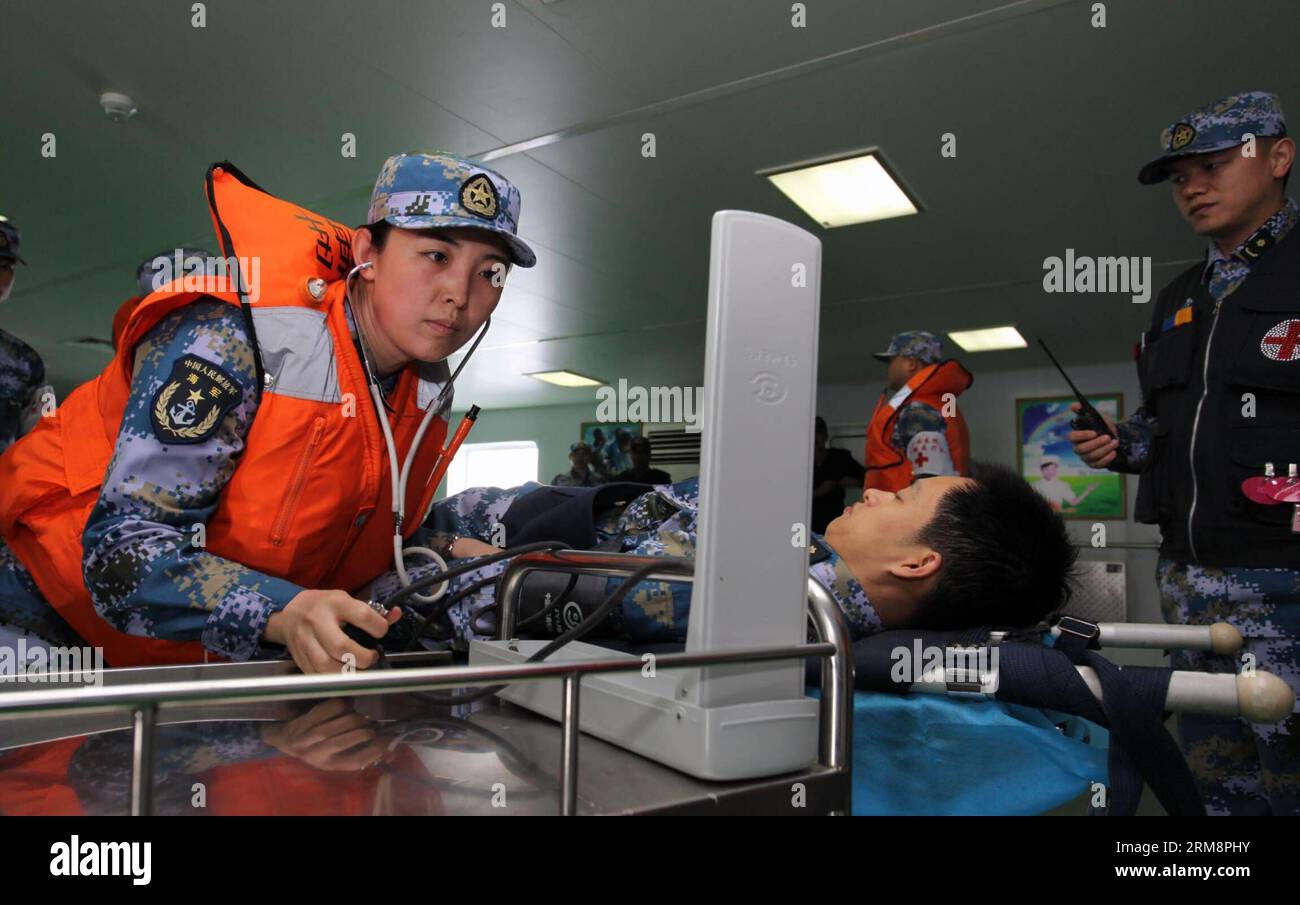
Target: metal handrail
<point x="166" y="695"/>
<point x="146" y="700"/>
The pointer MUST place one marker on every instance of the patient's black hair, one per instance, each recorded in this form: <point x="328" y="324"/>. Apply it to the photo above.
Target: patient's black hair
<point x="1007" y="557"/>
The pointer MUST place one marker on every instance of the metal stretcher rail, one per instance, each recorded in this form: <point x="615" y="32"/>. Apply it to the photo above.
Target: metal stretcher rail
<point x="144" y="701"/>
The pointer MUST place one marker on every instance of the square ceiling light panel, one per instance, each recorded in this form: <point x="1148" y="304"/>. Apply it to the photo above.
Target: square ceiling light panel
<point x="991" y="339"/>
<point x="845" y="191"/>
<point x="564" y="379"/>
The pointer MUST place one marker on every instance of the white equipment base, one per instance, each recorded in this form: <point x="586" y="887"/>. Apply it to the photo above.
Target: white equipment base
<point x="649" y="715"/>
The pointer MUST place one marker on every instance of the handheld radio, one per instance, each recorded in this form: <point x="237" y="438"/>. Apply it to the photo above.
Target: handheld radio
<point x="1088" y="419"/>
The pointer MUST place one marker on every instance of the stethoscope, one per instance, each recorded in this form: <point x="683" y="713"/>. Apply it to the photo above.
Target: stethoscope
<point x="401" y="475"/>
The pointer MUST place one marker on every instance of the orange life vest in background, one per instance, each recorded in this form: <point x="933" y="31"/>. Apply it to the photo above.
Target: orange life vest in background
<point x="889" y="468"/>
<point x="310" y="500"/>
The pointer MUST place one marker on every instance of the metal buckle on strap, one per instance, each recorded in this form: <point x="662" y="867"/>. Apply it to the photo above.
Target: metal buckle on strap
<point x="971" y="671"/>
<point x="1088" y="631"/>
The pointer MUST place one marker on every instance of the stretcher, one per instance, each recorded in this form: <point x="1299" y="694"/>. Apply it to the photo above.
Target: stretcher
<point x="858" y="765"/>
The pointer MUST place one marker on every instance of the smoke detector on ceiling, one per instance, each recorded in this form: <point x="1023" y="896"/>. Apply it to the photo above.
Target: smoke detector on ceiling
<point x="118" y="107"/>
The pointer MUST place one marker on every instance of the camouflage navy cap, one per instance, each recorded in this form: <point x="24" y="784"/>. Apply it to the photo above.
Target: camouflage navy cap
<point x="419" y="191"/>
<point x="1215" y="127"/>
<point x="10" y="239"/>
<point x="918" y="344"/>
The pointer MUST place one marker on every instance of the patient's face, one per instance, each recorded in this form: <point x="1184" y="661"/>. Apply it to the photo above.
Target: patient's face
<point x="882" y="520"/>
<point x="877" y="537"/>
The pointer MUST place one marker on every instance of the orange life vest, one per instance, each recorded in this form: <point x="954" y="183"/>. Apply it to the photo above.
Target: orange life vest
<point x="889" y="468"/>
<point x="122" y="315"/>
<point x="310" y="500"/>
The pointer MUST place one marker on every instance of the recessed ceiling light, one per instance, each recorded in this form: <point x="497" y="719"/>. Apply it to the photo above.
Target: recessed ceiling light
<point x="988" y="340"/>
<point x="846" y="191"/>
<point x="564" y="379"/>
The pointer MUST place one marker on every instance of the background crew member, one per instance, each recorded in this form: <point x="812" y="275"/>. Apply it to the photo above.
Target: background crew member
<point x="580" y="473"/>
<point x="22" y="373"/>
<point x="916" y="428"/>
<point x="1220" y="375"/>
<point x="641" y="472"/>
<point x="834" y="471"/>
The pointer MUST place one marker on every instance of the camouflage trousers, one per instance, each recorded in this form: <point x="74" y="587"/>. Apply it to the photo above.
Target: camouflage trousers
<point x="1241" y="767"/>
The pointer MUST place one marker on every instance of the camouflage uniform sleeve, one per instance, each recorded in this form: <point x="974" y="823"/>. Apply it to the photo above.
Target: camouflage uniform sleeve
<point x="145" y="573"/>
<point x="916" y="418"/>
<point x="1135" y="434"/>
<point x="921" y="436"/>
<point x="661" y="522"/>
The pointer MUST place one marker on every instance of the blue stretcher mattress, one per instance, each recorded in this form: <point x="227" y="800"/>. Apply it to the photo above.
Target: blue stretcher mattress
<point x="932" y="754"/>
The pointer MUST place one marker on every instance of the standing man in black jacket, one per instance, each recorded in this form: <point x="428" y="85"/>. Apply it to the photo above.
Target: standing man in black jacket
<point x="1220" y="376"/>
<point x="834" y="471"/>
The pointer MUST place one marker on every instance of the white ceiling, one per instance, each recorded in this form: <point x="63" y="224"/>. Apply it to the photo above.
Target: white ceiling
<point x="1052" y="116"/>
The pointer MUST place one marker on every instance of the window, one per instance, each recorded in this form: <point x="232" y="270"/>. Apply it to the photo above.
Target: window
<point x="507" y="464"/>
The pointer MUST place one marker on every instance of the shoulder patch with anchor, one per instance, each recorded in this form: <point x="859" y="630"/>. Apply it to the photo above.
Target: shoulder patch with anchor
<point x="190" y="404"/>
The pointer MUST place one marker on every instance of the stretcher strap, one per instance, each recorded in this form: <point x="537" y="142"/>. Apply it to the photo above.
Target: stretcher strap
<point x="1140" y="746"/>
<point x="1030" y="674"/>
<point x="1132" y="708"/>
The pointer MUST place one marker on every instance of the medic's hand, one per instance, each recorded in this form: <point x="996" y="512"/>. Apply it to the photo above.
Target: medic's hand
<point x="311" y="627"/>
<point x="468" y="546"/>
<point x="1096" y="450"/>
<point x="329" y="736"/>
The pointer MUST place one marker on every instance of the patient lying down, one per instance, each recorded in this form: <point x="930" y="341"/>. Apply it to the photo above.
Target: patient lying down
<point x="946" y="552"/>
